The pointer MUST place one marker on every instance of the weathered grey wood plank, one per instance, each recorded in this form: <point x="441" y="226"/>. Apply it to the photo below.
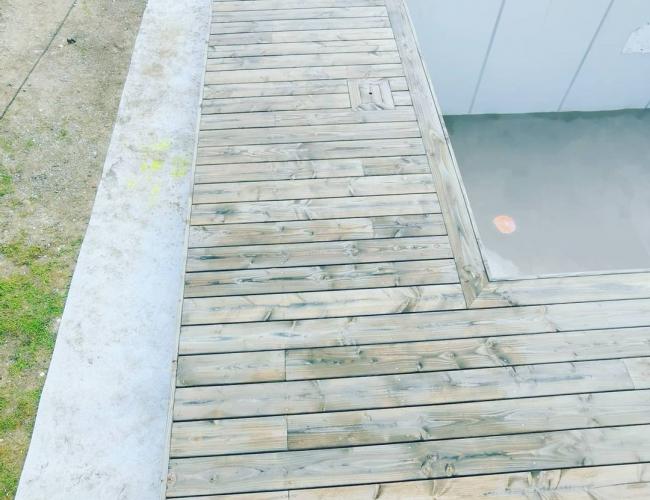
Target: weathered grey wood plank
<point x="267" y="495"/>
<point x="313" y="133"/>
<point x="267" y="89"/>
<point x="392" y="391"/>
<point x="270" y="89"/>
<point x="314" y="209"/>
<point x="228" y="436"/>
<point x="639" y="370"/>
<point x="295" y="48"/>
<point x="230" y="368"/>
<point x="631" y="482"/>
<point x="301" y="61"/>
<point x="419" y="423"/>
<point x="361" y="228"/>
<point x="218" y="28"/>
<point x="314" y="278"/>
<point x="460" y="354"/>
<point x="419" y="357"/>
<point x="309" y="13"/>
<point x="451" y="421"/>
<point x="312" y="188"/>
<point x="309" y="254"/>
<point x="320" y="304"/>
<point x="298" y="118"/>
<point x="275" y="140"/>
<point x="275" y="103"/>
<point x="566" y="289"/>
<point x="303" y="35"/>
<point x="398" y="462"/>
<point x="414" y="327"/>
<point x="310" y="169"/>
<point x="402" y="98"/>
<point x="309" y="151"/>
<point x="306" y="73"/>
<point x="444" y="169"/>
<point x="237" y="6"/>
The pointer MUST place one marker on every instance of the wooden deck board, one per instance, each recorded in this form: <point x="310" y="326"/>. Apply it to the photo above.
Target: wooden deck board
<point x="418" y="423"/>
<point x="333" y="342"/>
<point x="400" y="462"/>
<point x="309" y="254"/>
<point x="631" y="482"/>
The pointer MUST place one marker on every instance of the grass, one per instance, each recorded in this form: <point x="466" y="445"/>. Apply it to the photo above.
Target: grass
<point x="29" y="305"/>
<point x="27" y="309"/>
<point x="6" y="183"/>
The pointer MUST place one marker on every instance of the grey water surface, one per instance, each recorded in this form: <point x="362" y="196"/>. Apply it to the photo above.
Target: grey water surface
<point x="577" y="185"/>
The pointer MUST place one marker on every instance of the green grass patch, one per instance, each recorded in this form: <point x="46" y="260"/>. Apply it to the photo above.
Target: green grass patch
<point x="17" y="410"/>
<point x="29" y="304"/>
<point x="6" y="183"/>
<point x="20" y="253"/>
<point x="27" y="309"/>
<point x="8" y="480"/>
<point x="6" y="145"/>
<point x="14" y="414"/>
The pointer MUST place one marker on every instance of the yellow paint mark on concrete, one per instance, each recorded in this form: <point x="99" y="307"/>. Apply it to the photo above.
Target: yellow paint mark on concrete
<point x="151" y="166"/>
<point x="161" y="146"/>
<point x="180" y="167"/>
<point x="156" y="166"/>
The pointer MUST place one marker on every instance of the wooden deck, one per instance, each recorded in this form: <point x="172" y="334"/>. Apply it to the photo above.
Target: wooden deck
<point x="328" y="348"/>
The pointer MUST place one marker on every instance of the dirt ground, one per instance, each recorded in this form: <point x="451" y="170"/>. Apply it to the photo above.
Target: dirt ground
<point x="73" y="57"/>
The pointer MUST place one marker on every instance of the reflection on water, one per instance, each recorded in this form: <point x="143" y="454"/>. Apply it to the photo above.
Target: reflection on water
<point x="558" y="192"/>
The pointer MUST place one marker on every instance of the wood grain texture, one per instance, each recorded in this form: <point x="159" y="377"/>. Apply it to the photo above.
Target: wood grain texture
<point x="391" y="391"/>
<point x="310" y="13"/>
<point x="304" y="118"/>
<point x="230" y="368"/>
<point x="314" y="209"/>
<point x="332" y="343"/>
<point x="309" y="151"/>
<point x="302" y="35"/>
<point x="220" y="28"/>
<point x="309" y="254"/>
<point x="367" y="464"/>
<point x="566" y="289"/>
<point x="313" y="278"/>
<point x="271" y="89"/>
<point x="460" y="354"/>
<point x="296" y="48"/>
<point x="314" y="133"/>
<point x="631" y="482"/>
<point x="452" y="421"/>
<point x="236" y="309"/>
<point x="274" y="103"/>
<point x="266" y="89"/>
<point x="310" y="169"/>
<point x="443" y="167"/>
<point x="359" y="228"/>
<point x="306" y="73"/>
<point x="312" y="188"/>
<point x="412" y="357"/>
<point x="440" y="325"/>
<point x="419" y="423"/>
<point x="245" y="5"/>
<point x="301" y="60"/>
<point x="242" y="435"/>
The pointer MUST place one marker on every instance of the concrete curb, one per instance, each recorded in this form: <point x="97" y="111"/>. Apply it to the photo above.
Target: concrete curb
<point x="101" y="426"/>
